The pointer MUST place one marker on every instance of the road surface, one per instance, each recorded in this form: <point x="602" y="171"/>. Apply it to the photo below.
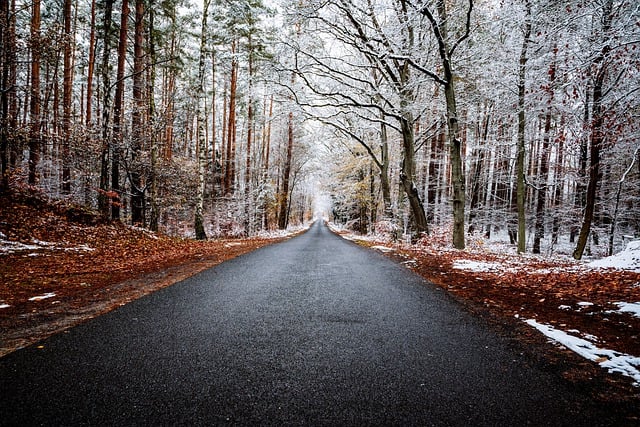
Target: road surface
<point x="315" y="330"/>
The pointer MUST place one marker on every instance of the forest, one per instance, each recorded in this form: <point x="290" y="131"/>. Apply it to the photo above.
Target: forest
<point x="403" y="118"/>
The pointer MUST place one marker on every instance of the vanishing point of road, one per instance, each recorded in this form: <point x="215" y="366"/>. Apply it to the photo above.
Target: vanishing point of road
<point x="312" y="331"/>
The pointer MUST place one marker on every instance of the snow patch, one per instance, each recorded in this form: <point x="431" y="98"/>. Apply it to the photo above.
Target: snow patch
<point x="628" y="307"/>
<point x="628" y="259"/>
<point x="10" y="247"/>
<point x="4" y="306"/>
<point x="613" y="361"/>
<point x="477" y="266"/>
<point x="382" y="248"/>
<point x="41" y="297"/>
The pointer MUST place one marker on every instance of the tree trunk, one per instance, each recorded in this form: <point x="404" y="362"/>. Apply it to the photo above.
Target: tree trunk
<point x="558" y="172"/>
<point x="455" y="143"/>
<point x="104" y="198"/>
<point x="284" y="195"/>
<point x="91" y="65"/>
<point x="248" y="197"/>
<point x="267" y="152"/>
<point x="477" y="172"/>
<point x="34" y="131"/>
<point x="385" y="186"/>
<point x="117" y="136"/>
<point x="137" y="126"/>
<point x="155" y="208"/>
<point x="7" y="89"/>
<point x="520" y="166"/>
<point x="66" y="102"/>
<point x="229" y="177"/>
<point x="200" y="117"/>
<point x="407" y="174"/>
<point x="457" y="173"/>
<point x="598" y="136"/>
<point x="542" y="185"/>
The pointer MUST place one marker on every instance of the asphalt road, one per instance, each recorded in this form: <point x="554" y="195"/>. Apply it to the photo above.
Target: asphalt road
<point x="314" y="331"/>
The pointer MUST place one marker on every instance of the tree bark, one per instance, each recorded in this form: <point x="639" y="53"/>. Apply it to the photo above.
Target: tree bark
<point x="407" y="175"/>
<point x="104" y="199"/>
<point x="477" y="171"/>
<point x="154" y="216"/>
<point x="385" y="186"/>
<point x="520" y="166"/>
<point x="598" y="130"/>
<point x="137" y="125"/>
<point x="202" y="140"/>
<point x="117" y="136"/>
<point x="66" y="102"/>
<point x="446" y="50"/>
<point x="91" y="65"/>
<point x="35" y="134"/>
<point x="229" y="178"/>
<point x="7" y="89"/>
<point x="283" y="217"/>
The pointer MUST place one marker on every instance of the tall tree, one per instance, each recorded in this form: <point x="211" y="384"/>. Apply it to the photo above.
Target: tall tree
<point x="67" y="88"/>
<point x="598" y="136"/>
<point x="104" y="198"/>
<point x="137" y="124"/>
<point x="230" y="158"/>
<point x="118" y="101"/>
<point x="200" y="117"/>
<point x="544" y="162"/>
<point x="154" y="216"/>
<point x="91" y="65"/>
<point x="35" y="134"/>
<point x="446" y="50"/>
<point x="7" y="86"/>
<point x="283" y="215"/>
<point x="520" y="161"/>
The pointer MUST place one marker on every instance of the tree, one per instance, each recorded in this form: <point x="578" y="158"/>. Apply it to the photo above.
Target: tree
<point x="7" y="87"/>
<point x="103" y="195"/>
<point x="200" y="117"/>
<point x="283" y="217"/>
<point x="447" y="50"/>
<point x="520" y="168"/>
<point x="67" y="88"/>
<point x="137" y="124"/>
<point x="601" y="65"/>
<point x="117" y="133"/>
<point x="35" y="134"/>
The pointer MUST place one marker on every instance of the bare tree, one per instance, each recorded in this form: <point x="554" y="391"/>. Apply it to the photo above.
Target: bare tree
<point x="35" y="134"/>
<point x="200" y="117"/>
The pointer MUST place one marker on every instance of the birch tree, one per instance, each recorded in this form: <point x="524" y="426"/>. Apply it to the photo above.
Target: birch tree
<point x="200" y="117"/>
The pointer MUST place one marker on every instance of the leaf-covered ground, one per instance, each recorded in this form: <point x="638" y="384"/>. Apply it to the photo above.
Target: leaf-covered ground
<point x="60" y="266"/>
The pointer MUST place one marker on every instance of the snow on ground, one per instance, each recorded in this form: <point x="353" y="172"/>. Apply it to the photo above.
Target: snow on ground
<point x="41" y="297"/>
<point x="628" y="259"/>
<point x="290" y="231"/>
<point x="611" y="360"/>
<point x="478" y="266"/>
<point x="382" y="248"/>
<point x="628" y="307"/>
<point x="11" y="247"/>
<point x="4" y="305"/>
